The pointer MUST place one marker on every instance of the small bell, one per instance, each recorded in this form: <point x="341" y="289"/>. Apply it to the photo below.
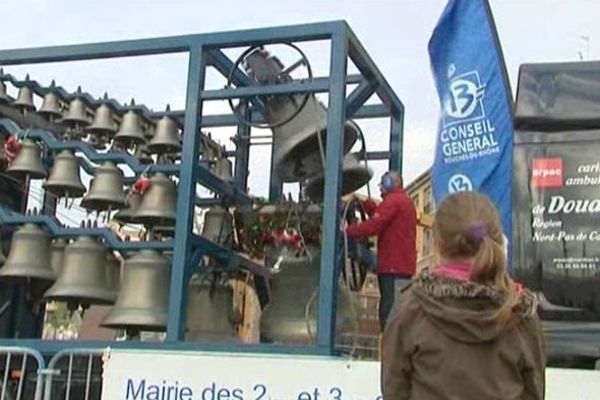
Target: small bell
<point x="166" y="138"/>
<point x="64" y="180"/>
<point x="104" y="120"/>
<point x="28" y="162"/>
<point x="159" y="202"/>
<point x="51" y="107"/>
<point x="130" y="131"/>
<point x="106" y="189"/>
<point x="24" y="101"/>
<point x="29" y="256"/>
<point x="77" y="113"/>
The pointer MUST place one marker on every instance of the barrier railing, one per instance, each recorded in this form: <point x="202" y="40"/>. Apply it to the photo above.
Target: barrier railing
<point x="74" y="375"/>
<point x="20" y="370"/>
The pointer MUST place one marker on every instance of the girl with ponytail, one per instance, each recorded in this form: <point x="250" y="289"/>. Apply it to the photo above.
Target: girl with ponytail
<point x="464" y="329"/>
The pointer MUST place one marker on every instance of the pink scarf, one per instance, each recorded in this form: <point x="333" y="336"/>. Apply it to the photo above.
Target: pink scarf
<point x="460" y="271"/>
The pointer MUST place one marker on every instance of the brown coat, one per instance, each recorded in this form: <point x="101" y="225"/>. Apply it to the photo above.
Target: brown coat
<point x="442" y="342"/>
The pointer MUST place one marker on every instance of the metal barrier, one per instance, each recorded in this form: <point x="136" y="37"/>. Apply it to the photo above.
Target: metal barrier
<point x="20" y="378"/>
<point x="79" y="373"/>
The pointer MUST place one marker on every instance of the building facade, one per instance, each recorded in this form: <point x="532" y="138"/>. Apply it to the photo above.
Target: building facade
<point x="421" y="193"/>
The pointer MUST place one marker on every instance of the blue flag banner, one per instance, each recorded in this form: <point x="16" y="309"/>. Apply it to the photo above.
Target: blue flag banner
<point x="475" y="136"/>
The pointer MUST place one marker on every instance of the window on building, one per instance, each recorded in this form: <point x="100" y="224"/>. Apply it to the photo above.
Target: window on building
<point x="427" y="248"/>
<point x="427" y="200"/>
<point x="415" y="200"/>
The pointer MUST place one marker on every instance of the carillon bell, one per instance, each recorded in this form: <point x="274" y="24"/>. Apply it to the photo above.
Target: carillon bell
<point x="104" y="120"/>
<point x="28" y="162"/>
<point x="64" y="179"/>
<point x="24" y="101"/>
<point x="76" y="116"/>
<point x="29" y="256"/>
<point x="143" y="300"/>
<point x="127" y="215"/>
<point x="218" y="225"/>
<point x="223" y="169"/>
<point x="83" y="276"/>
<point x="106" y="189"/>
<point x="4" y="99"/>
<point x="210" y="311"/>
<point x="291" y="316"/>
<point x="166" y="137"/>
<point x="354" y="176"/>
<point x="130" y="131"/>
<point x="159" y="202"/>
<point x="51" y="106"/>
<point x="299" y="145"/>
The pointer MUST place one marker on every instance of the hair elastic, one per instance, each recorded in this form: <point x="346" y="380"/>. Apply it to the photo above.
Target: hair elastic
<point x="477" y="232"/>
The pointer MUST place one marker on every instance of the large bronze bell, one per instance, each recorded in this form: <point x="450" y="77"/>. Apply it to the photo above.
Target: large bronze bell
<point x="64" y="179"/>
<point x="28" y="162"/>
<point x="218" y="225"/>
<point x="223" y="169"/>
<point x="159" y="202"/>
<point x="297" y="152"/>
<point x="29" y="256"/>
<point x="51" y="107"/>
<point x="354" y="176"/>
<point x="103" y="123"/>
<point x="166" y="137"/>
<point x="127" y="215"/>
<point x="4" y="99"/>
<point x="106" y="190"/>
<point x="83" y="276"/>
<point x="143" y="300"/>
<point x="291" y="316"/>
<point x="130" y="131"/>
<point x="24" y="100"/>
<point x="210" y="314"/>
<point x="57" y="252"/>
<point x="77" y="114"/>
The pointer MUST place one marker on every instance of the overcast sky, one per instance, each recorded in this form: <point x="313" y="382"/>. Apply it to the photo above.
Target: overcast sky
<point x="394" y="32"/>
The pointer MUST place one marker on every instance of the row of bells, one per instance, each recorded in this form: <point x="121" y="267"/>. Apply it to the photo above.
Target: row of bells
<point x="106" y="189"/>
<point x="158" y="137"/>
<point x="83" y="273"/>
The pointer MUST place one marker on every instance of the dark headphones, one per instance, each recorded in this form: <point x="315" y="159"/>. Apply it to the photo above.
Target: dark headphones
<point x="387" y="182"/>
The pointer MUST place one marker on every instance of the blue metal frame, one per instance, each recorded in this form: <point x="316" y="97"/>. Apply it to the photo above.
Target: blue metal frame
<point x="205" y="50"/>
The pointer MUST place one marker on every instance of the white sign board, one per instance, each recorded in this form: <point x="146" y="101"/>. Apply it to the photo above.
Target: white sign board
<point x="152" y="375"/>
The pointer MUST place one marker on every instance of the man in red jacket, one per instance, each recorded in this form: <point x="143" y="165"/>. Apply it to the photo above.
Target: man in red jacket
<point x="394" y="222"/>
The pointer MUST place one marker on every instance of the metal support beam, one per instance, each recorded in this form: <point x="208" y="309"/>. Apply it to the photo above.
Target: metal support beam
<point x="242" y="156"/>
<point x="331" y="212"/>
<point x="358" y="97"/>
<point x="367" y="67"/>
<point x="396" y="143"/>
<point x="186" y="197"/>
